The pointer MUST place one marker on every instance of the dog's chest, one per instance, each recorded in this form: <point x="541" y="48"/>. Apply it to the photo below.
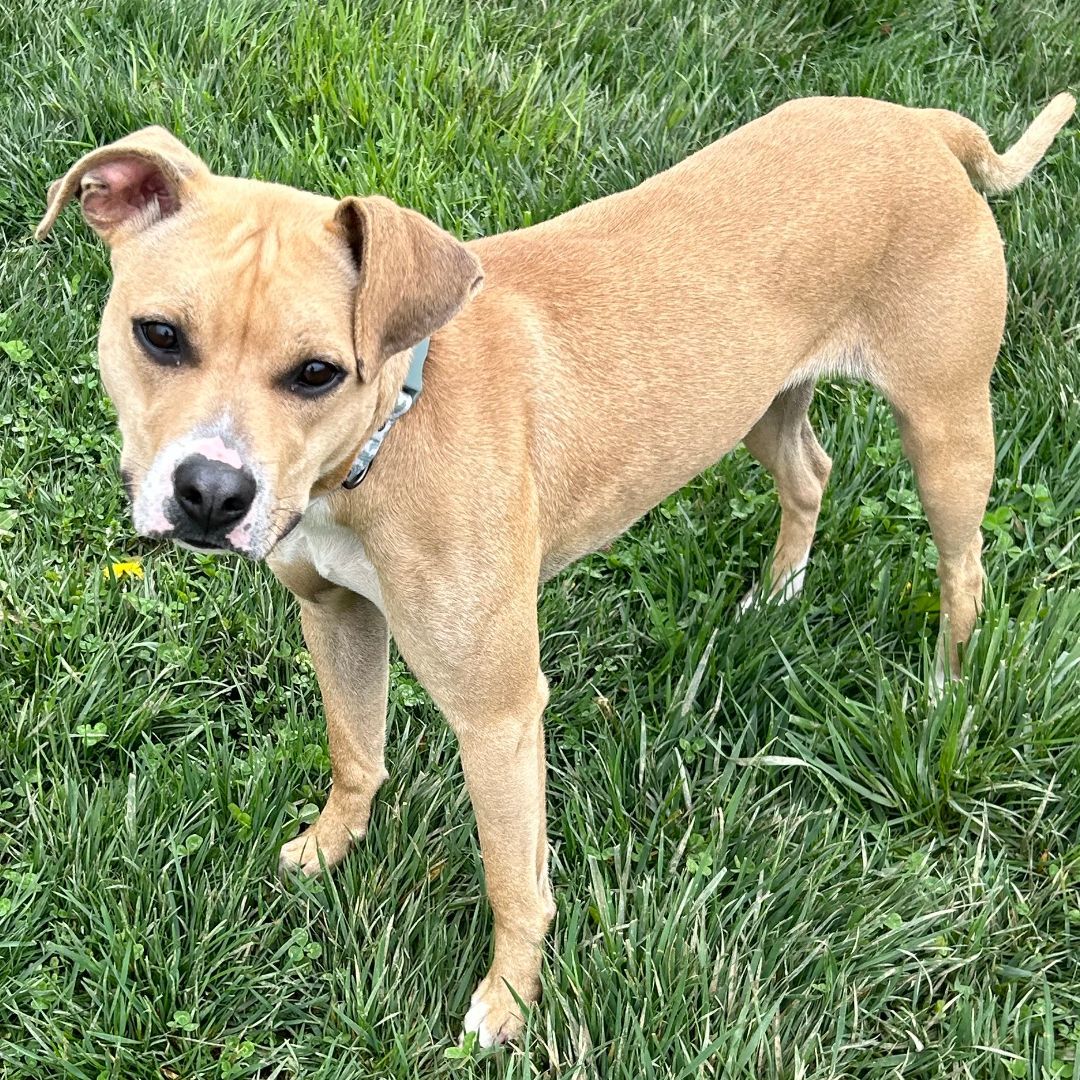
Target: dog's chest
<point x="335" y="551"/>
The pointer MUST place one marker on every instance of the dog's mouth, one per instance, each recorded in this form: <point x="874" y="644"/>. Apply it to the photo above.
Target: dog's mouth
<point x="206" y="545"/>
<point x="203" y="546"/>
<point x="295" y="520"/>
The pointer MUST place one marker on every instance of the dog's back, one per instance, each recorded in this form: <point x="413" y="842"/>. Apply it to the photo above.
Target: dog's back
<point x="830" y="236"/>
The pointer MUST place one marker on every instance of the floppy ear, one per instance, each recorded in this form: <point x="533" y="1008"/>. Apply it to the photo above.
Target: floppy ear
<point x="414" y="277"/>
<point x="142" y="177"/>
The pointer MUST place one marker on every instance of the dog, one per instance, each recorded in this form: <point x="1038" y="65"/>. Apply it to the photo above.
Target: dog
<point x="265" y="349"/>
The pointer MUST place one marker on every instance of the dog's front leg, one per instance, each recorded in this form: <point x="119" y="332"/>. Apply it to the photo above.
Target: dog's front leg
<point x="349" y="644"/>
<point x="503" y="759"/>
<point x="479" y="658"/>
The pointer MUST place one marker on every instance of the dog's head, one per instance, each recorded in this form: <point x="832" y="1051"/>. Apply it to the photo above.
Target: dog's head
<point x="246" y="333"/>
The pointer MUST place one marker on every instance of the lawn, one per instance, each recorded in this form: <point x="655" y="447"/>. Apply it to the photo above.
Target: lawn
<point x="774" y="853"/>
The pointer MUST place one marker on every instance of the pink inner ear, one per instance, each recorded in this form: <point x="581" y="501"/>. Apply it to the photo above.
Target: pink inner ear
<point x="119" y="189"/>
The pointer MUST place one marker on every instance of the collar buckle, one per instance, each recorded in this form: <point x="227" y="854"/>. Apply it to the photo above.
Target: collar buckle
<point x="407" y="396"/>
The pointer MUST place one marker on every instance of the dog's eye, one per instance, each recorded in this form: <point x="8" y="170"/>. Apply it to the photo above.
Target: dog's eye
<point x="316" y="375"/>
<point x="160" y="338"/>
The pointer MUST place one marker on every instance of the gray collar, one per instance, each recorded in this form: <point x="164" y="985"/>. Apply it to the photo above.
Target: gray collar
<point x="408" y="394"/>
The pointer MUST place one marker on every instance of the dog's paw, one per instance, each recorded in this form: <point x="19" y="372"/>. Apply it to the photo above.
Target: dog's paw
<point x="329" y="837"/>
<point x="749" y="601"/>
<point x="493" y="1014"/>
<point x="786" y="588"/>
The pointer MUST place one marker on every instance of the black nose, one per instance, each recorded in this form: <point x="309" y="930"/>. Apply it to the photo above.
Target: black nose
<point x="210" y="494"/>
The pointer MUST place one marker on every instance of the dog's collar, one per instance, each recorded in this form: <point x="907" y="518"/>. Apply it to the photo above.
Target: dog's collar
<point x="408" y="394"/>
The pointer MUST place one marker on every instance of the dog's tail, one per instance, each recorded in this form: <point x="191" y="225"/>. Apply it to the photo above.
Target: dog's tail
<point x="990" y="171"/>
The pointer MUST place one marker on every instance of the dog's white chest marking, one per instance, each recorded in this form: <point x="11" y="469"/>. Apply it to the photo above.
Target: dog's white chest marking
<point x="335" y="551"/>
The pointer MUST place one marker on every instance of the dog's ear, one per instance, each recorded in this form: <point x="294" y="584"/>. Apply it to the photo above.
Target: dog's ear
<point x="413" y="277"/>
<point x="136" y="180"/>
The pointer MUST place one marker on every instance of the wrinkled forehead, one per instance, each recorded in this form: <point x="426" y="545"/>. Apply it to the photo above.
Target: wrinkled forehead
<point x="246" y="256"/>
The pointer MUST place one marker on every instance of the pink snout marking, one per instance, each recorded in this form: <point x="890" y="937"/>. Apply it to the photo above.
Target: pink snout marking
<point x="240" y="537"/>
<point x="157" y="523"/>
<point x="216" y="449"/>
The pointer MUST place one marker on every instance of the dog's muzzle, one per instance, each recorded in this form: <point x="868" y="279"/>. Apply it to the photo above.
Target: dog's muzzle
<point x="205" y="491"/>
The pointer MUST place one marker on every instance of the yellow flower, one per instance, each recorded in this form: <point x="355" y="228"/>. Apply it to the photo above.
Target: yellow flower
<point x="131" y="568"/>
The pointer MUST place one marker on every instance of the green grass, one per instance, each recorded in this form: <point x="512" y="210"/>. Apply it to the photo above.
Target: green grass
<point x="774" y="855"/>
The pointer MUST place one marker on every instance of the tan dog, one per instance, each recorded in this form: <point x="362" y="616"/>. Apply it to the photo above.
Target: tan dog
<point x="256" y="336"/>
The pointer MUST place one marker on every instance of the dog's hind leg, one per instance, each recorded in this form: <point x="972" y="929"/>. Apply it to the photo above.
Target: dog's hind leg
<point x="933" y="358"/>
<point x="784" y="442"/>
<point x="949" y="439"/>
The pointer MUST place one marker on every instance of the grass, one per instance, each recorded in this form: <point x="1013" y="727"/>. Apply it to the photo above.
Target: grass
<point x="774" y="855"/>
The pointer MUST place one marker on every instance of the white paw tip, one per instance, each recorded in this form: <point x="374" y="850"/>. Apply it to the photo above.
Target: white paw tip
<point x="748" y="601"/>
<point x="794" y="584"/>
<point x="938" y="683"/>
<point x="297" y="858"/>
<point x="786" y="589"/>
<point x="474" y="1021"/>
